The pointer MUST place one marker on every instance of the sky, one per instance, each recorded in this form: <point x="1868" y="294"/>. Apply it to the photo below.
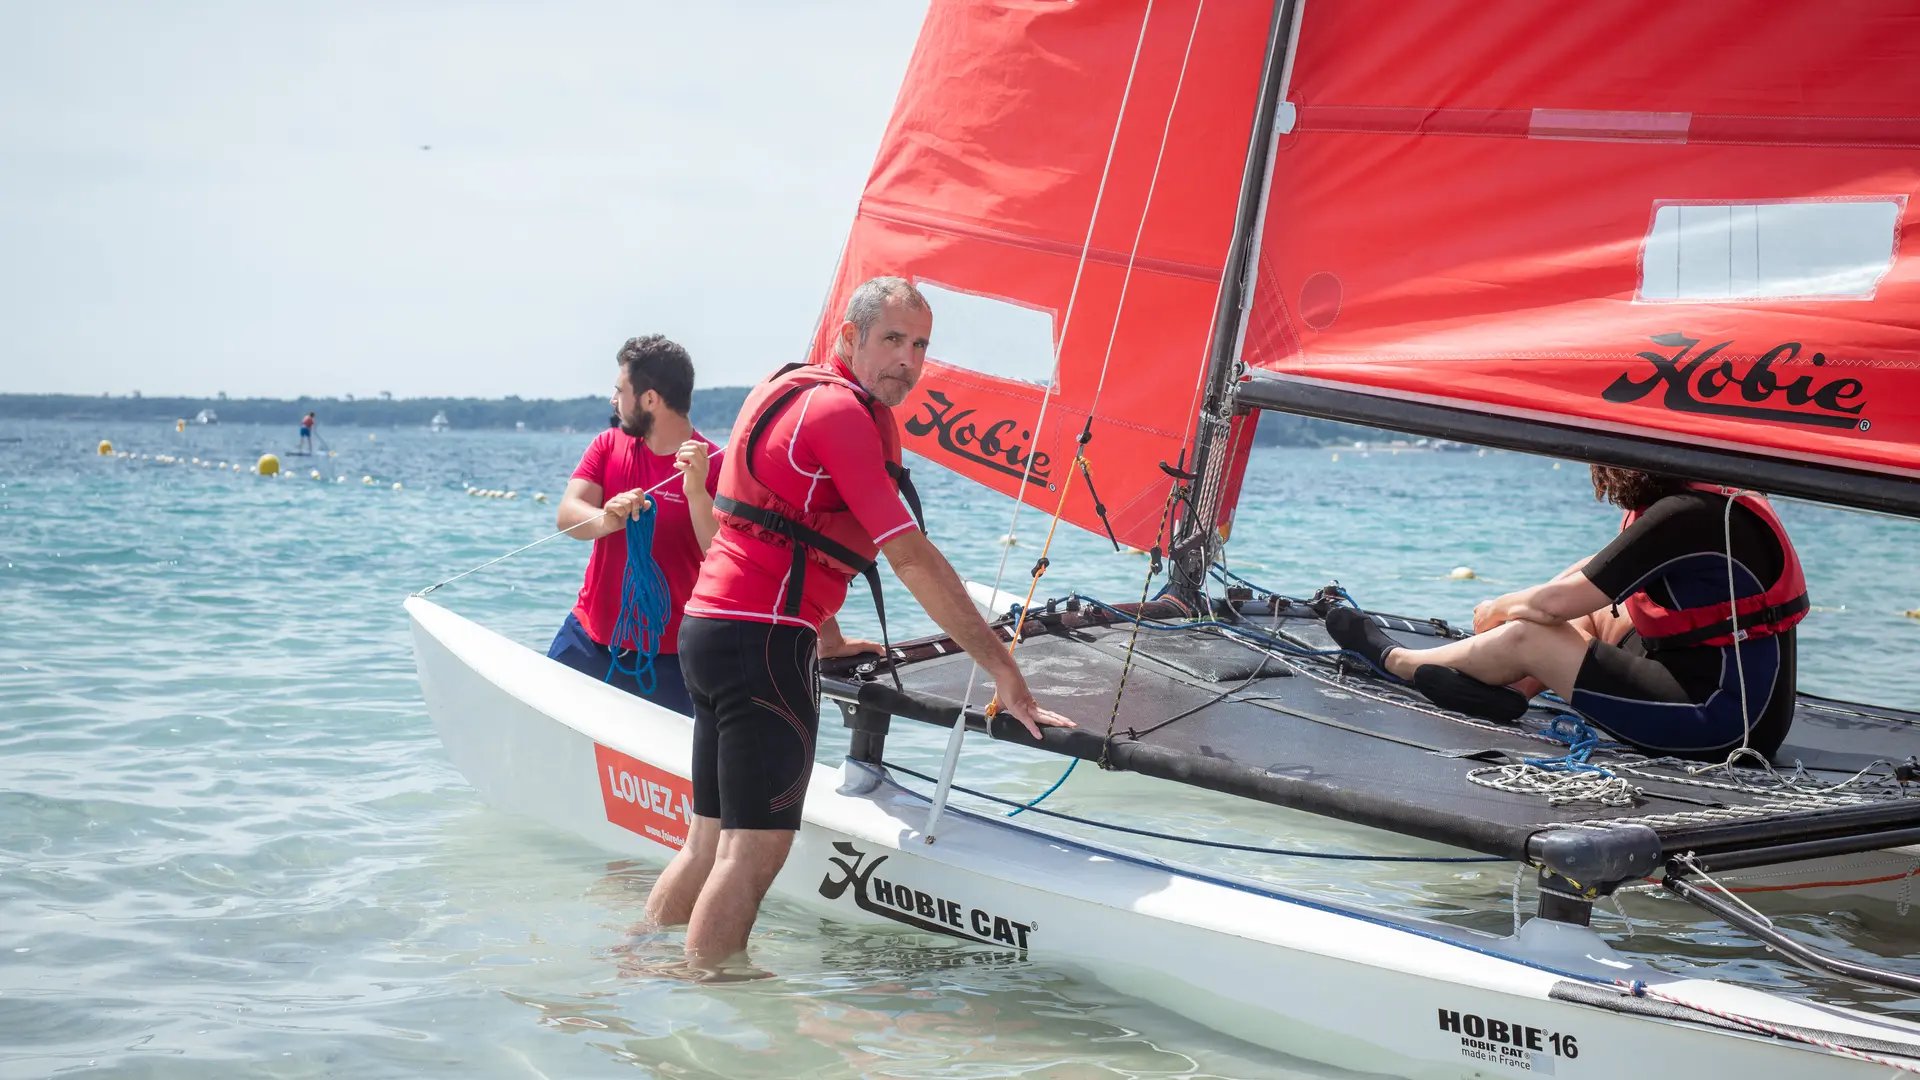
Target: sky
<point x="201" y="197"/>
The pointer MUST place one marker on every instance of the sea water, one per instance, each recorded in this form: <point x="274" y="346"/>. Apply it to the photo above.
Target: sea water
<point x="231" y="844"/>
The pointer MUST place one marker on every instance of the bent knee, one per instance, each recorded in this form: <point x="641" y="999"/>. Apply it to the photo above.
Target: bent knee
<point x="1533" y="637"/>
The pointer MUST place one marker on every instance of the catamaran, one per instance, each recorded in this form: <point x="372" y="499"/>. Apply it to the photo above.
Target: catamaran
<point x="1664" y="237"/>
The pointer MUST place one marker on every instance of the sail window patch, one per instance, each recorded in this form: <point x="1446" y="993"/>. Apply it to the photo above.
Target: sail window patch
<point x="1829" y="249"/>
<point x="990" y="335"/>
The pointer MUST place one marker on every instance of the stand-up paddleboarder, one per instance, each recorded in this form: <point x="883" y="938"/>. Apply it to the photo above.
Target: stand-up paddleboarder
<point x="306" y="434"/>
<point x="811" y="493"/>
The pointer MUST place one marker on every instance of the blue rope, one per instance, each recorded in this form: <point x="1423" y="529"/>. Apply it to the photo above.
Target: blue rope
<point x="645" y="606"/>
<point x="1581" y="742"/>
<point x="1017" y="811"/>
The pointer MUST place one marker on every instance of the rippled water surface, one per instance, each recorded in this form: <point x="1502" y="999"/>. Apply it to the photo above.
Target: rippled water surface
<point x="230" y="843"/>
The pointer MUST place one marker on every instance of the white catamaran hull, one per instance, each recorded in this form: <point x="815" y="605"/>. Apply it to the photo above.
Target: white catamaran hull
<point x="1357" y="988"/>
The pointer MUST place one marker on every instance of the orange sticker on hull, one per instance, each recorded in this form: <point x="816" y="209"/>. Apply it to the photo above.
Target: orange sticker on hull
<point x="643" y="799"/>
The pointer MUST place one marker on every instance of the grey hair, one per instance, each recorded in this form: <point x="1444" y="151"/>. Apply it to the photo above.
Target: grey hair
<point x="870" y="299"/>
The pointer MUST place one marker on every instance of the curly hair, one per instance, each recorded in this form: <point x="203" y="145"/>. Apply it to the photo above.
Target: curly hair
<point x="662" y="366"/>
<point x="1631" y="489"/>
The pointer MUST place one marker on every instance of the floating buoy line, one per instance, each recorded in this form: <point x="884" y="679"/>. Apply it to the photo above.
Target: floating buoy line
<point x="268" y="465"/>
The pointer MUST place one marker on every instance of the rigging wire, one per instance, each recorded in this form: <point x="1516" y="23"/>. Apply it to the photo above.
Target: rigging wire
<point x="553" y="535"/>
<point x="1126" y="666"/>
<point x="951" y="762"/>
<point x="1080" y="462"/>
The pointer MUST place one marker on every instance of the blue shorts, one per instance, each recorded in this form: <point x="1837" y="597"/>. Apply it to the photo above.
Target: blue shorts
<point x="1638" y="701"/>
<point x="306" y="432"/>
<point x="572" y="647"/>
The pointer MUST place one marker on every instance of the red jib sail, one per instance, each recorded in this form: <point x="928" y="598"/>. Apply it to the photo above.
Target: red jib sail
<point x="1681" y="222"/>
<point x="1062" y="178"/>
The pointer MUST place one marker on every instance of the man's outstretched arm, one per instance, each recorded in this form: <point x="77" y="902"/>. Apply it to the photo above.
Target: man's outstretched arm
<point x="932" y="581"/>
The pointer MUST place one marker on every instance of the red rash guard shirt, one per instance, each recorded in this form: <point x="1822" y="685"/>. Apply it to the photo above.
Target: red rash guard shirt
<point x="821" y="453"/>
<point x="619" y="463"/>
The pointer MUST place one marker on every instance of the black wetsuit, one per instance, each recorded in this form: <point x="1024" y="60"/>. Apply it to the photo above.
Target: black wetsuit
<point x="1687" y="701"/>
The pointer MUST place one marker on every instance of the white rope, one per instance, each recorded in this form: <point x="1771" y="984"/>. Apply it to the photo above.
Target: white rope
<point x="554" y="535"/>
<point x="1146" y="209"/>
<point x="1588" y="784"/>
<point x="1622" y="912"/>
<point x="950" y="762"/>
<point x="1733" y="614"/>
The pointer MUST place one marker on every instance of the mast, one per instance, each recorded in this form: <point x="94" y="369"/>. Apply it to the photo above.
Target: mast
<point x="1195" y="540"/>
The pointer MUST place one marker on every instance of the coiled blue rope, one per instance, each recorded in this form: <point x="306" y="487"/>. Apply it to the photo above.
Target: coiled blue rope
<point x="645" y="606"/>
<point x="1581" y="742"/>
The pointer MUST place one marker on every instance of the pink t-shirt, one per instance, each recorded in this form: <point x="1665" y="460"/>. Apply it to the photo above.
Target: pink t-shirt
<point x="821" y="452"/>
<point x="619" y="463"/>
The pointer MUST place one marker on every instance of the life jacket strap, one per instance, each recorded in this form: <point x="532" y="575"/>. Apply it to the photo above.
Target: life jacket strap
<point x="801" y="539"/>
<point x="1766" y="616"/>
<point x="903" y="479"/>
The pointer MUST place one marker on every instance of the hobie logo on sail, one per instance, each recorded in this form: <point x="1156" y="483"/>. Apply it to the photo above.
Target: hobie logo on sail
<point x="923" y="910"/>
<point x="640" y="798"/>
<point x="1701" y="384"/>
<point x="994" y="446"/>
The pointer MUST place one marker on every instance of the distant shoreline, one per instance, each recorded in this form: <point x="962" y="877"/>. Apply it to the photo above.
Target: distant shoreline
<point x="714" y="409"/>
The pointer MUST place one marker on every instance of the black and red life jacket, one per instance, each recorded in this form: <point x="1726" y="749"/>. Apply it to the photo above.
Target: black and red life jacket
<point x="1774" y="611"/>
<point x="833" y="538"/>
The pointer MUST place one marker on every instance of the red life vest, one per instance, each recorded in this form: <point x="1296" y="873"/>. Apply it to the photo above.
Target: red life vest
<point x="1774" y="611"/>
<point x="833" y="538"/>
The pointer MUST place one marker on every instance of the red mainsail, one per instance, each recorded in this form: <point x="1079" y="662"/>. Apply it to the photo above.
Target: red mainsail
<point x="1685" y="223"/>
<point x="1078" y="163"/>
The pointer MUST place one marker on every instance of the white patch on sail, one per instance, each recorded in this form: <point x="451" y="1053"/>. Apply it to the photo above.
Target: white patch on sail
<point x="1834" y="249"/>
<point x="990" y="335"/>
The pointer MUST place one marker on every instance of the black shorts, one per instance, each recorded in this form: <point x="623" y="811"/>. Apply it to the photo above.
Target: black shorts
<point x="1691" y="704"/>
<point x="756" y="709"/>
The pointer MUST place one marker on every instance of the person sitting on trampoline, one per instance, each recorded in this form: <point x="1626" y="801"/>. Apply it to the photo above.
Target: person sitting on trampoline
<point x="1679" y="673"/>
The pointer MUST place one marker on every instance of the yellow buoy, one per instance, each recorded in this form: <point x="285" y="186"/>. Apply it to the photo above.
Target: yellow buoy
<point x="540" y="496"/>
<point x="1462" y="573"/>
<point x="267" y="465"/>
<point x="179" y="425"/>
<point x="396" y="485"/>
<point x="512" y="495"/>
<point x="105" y="447"/>
<point x="1556" y="464"/>
<point x="1336" y="457"/>
<point x="315" y="474"/>
<point x="366" y="479"/>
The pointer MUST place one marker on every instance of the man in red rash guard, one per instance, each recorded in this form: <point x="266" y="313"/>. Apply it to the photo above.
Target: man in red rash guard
<point x="650" y="441"/>
<point x="816" y="447"/>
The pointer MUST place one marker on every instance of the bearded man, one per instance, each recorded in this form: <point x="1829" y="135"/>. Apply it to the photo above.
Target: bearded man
<point x="650" y="440"/>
